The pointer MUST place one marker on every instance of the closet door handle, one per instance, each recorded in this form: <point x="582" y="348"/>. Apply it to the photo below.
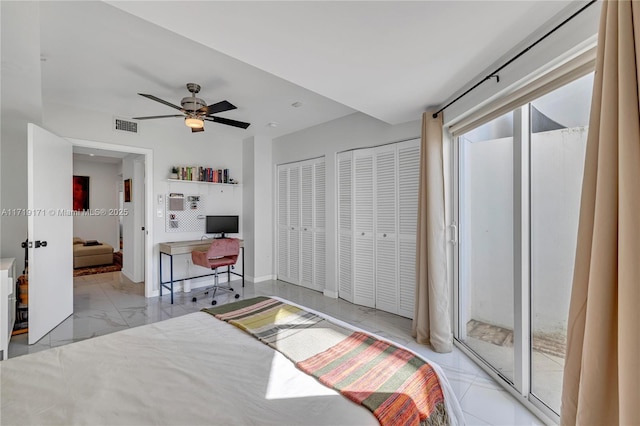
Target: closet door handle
<point x="454" y="233"/>
<point x="384" y="235"/>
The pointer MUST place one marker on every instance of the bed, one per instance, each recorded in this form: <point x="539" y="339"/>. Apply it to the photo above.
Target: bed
<point x="191" y="370"/>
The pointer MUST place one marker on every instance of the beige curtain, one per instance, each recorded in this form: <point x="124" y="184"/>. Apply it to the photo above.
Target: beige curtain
<point x="602" y="367"/>
<point x="432" y="316"/>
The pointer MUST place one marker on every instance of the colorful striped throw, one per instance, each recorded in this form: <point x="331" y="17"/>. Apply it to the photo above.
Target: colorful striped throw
<point x="398" y="387"/>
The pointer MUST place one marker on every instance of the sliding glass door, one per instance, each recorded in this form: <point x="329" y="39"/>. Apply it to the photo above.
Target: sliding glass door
<point x="486" y="227"/>
<point x="519" y="184"/>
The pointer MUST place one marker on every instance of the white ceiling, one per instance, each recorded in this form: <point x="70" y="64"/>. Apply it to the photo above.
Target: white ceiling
<point x="388" y="59"/>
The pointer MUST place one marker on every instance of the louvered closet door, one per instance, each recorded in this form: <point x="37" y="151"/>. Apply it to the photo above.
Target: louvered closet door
<point x="386" y="201"/>
<point x="306" y="224"/>
<point x="294" y="224"/>
<point x="319" y="215"/>
<point x="363" y="250"/>
<point x="408" y="181"/>
<point x="283" y="223"/>
<point x="345" y="229"/>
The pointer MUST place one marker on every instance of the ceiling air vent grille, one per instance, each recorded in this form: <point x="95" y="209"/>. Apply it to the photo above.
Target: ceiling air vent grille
<point x="125" y="125"/>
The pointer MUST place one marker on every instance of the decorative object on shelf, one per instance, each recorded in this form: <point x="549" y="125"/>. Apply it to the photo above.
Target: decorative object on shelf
<point x="174" y="173"/>
<point x="127" y="190"/>
<point x="80" y="193"/>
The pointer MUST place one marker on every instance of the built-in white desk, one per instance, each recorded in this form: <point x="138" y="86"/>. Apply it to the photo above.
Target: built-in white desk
<point x="186" y="247"/>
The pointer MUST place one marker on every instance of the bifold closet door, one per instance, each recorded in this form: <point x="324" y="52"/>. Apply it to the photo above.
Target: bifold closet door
<point x="283" y="223"/>
<point x="386" y="206"/>
<point x="312" y="225"/>
<point x="319" y="226"/>
<point x="363" y="225"/>
<point x="306" y="225"/>
<point x="294" y="225"/>
<point x="408" y="195"/>
<point x="377" y="224"/>
<point x="301" y="223"/>
<point x="345" y="226"/>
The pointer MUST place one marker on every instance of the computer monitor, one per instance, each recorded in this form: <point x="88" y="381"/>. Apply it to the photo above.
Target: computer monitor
<point x="221" y="225"/>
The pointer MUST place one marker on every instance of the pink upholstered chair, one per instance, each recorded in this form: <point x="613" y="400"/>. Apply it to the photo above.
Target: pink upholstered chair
<point x="222" y="252"/>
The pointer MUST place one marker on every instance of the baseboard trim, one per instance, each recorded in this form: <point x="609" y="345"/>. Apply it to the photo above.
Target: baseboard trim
<point x="260" y="279"/>
<point x="127" y="274"/>
<point x="331" y="294"/>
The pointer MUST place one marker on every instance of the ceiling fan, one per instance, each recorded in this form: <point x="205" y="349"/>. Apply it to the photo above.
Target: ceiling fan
<point x="195" y="111"/>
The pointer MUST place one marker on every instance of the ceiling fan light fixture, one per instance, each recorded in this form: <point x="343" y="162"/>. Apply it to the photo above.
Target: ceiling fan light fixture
<point x="194" y="122"/>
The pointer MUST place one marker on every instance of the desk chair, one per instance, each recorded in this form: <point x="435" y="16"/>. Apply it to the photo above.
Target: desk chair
<point x="221" y="252"/>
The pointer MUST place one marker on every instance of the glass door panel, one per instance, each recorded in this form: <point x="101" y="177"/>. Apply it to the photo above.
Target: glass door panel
<point x="486" y="310"/>
<point x="559" y="124"/>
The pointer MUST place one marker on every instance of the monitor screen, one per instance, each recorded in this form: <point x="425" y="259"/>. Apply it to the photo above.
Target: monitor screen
<point x="221" y="225"/>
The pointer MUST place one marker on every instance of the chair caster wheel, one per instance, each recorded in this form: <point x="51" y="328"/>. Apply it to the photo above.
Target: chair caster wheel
<point x="213" y="302"/>
<point x="194" y="299"/>
<point x="230" y="289"/>
<point x="237" y="296"/>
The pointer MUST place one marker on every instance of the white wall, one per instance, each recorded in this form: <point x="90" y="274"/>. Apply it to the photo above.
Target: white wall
<point x="350" y="132"/>
<point x="21" y="102"/>
<point x="557" y="165"/>
<point x="488" y="230"/>
<point x="248" y="205"/>
<point x="258" y="198"/>
<point x="103" y="187"/>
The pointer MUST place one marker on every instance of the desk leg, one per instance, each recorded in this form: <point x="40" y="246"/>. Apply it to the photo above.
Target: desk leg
<point x="161" y="274"/>
<point x="242" y="267"/>
<point x="171" y="267"/>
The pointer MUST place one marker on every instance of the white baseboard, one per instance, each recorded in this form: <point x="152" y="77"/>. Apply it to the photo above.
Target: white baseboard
<point x="260" y="279"/>
<point x="127" y="274"/>
<point x="331" y="294"/>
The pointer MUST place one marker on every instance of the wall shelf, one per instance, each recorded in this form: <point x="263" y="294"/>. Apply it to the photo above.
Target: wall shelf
<point x="203" y="182"/>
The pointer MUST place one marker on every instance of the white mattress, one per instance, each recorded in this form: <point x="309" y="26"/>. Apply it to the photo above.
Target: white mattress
<point x="190" y="370"/>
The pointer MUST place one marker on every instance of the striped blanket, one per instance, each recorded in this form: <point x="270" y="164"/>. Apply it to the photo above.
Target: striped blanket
<point x="398" y="387"/>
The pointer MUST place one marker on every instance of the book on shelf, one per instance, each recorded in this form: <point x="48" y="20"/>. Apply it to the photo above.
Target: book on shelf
<point x="203" y="174"/>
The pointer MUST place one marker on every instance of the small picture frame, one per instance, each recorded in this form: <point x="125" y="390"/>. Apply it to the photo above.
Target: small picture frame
<point x="80" y="193"/>
<point x="127" y="190"/>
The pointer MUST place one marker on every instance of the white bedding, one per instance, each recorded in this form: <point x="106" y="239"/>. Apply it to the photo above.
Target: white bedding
<point x="190" y="370"/>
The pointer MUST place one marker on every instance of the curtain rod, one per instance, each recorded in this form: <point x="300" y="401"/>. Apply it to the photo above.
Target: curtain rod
<point x="495" y="75"/>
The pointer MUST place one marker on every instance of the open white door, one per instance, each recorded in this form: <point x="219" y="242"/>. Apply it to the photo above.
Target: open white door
<point x="50" y="225"/>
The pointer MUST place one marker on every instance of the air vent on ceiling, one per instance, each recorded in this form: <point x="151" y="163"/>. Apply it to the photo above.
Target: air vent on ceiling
<point x="125" y="125"/>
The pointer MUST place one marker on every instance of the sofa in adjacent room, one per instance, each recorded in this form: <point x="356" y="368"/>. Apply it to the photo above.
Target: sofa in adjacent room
<point x="87" y="253"/>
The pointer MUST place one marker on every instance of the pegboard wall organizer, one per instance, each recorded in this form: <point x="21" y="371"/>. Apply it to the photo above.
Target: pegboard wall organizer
<point x="184" y="213"/>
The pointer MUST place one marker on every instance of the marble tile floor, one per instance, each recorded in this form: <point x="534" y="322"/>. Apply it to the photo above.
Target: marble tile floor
<point x="107" y="303"/>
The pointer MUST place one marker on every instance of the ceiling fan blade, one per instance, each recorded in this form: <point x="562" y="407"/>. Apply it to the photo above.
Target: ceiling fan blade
<point x="220" y="107"/>
<point x="195" y="130"/>
<point x="162" y="101"/>
<point x="228" y="122"/>
<point x="156" y="116"/>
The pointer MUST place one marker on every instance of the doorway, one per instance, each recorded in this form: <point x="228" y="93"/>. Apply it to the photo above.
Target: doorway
<point x="136" y="231"/>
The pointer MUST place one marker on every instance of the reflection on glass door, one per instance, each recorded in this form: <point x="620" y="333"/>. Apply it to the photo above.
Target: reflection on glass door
<point x="486" y="226"/>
